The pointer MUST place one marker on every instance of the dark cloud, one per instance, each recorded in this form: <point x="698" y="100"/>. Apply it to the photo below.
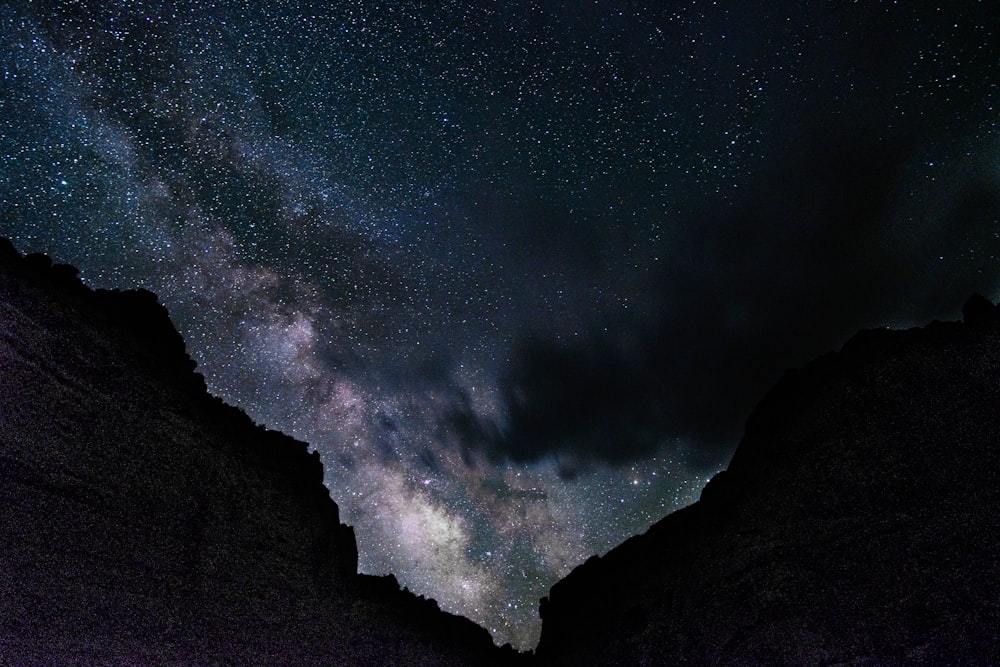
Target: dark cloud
<point x="435" y="238"/>
<point x="817" y="251"/>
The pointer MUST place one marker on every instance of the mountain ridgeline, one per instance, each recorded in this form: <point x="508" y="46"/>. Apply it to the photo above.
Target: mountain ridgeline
<point x="143" y="521"/>
<point x="857" y="523"/>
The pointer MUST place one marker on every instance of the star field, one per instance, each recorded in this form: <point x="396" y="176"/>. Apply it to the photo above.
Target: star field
<point x="517" y="270"/>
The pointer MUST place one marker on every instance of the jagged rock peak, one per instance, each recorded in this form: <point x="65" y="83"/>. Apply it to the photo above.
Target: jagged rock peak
<point x="979" y="312"/>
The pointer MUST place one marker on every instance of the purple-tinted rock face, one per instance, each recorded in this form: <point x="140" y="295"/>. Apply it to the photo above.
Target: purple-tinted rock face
<point x="143" y="521"/>
<point x="858" y="523"/>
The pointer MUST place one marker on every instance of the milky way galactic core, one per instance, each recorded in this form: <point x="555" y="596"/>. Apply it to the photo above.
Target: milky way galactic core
<point x="517" y="270"/>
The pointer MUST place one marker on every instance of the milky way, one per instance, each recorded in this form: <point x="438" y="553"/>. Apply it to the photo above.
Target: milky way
<point x="517" y="270"/>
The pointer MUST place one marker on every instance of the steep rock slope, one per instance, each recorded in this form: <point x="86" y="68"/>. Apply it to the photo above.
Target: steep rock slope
<point x="858" y="523"/>
<point x="143" y="521"/>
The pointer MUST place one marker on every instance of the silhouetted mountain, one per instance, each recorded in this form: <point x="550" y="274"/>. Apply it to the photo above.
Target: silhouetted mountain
<point x="143" y="521"/>
<point x="858" y="523"/>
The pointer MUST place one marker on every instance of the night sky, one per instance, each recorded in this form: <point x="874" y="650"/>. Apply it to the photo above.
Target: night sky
<point x="518" y="270"/>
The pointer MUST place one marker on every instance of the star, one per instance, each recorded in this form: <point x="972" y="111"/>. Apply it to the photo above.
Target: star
<point x="518" y="271"/>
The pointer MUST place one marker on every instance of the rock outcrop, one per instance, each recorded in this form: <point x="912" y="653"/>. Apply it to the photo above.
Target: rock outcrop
<point x="143" y="521"/>
<point x="858" y="523"/>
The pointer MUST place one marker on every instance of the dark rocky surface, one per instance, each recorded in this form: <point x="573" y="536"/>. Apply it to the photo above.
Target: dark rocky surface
<point x="858" y="523"/>
<point x="143" y="521"/>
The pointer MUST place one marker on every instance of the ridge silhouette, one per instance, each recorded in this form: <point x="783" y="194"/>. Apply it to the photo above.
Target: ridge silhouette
<point x="144" y="521"/>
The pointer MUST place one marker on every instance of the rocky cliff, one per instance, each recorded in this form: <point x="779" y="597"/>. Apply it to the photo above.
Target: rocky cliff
<point x="858" y="523"/>
<point x="143" y="521"/>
